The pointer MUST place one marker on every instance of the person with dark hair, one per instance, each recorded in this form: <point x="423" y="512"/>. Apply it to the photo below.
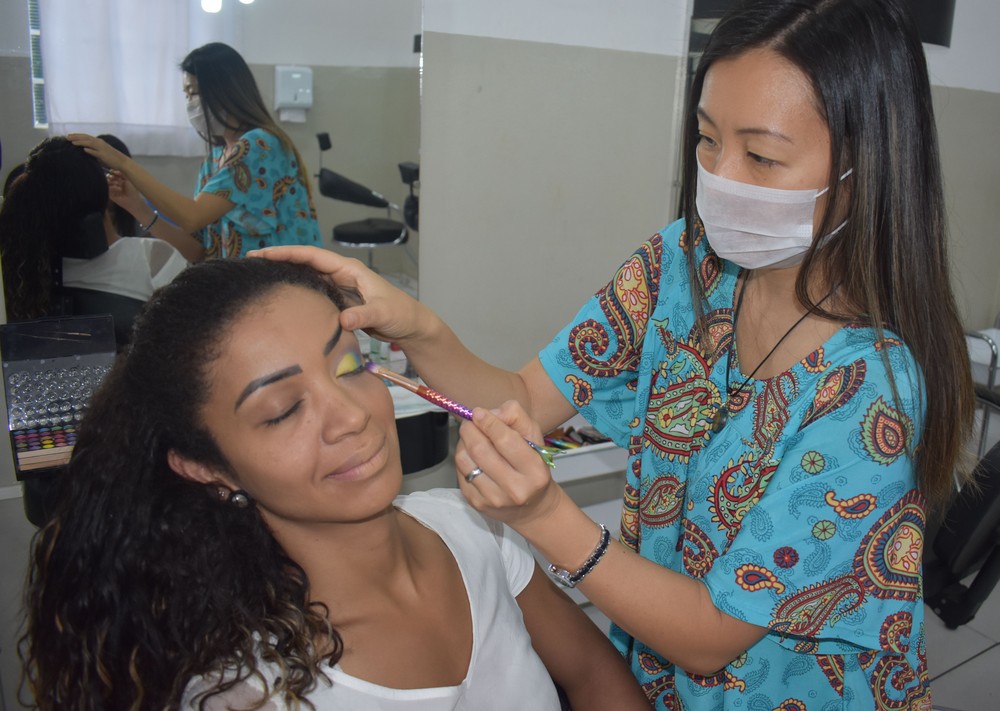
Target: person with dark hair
<point x="13" y="175"/>
<point x="232" y="504"/>
<point x="56" y="230"/>
<point x="125" y="223"/>
<point x="253" y="189"/>
<point x="785" y="365"/>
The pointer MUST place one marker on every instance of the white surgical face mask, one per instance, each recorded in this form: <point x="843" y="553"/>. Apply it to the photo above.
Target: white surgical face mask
<point x="197" y="117"/>
<point x="757" y="227"/>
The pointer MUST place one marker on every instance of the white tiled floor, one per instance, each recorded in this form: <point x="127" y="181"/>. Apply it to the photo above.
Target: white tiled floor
<point x="965" y="663"/>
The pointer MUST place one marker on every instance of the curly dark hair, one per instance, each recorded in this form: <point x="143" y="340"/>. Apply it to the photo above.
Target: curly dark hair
<point x="143" y="579"/>
<point x="59" y="187"/>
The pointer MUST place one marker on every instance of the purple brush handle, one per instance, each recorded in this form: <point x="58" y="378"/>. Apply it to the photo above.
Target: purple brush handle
<point x="445" y="403"/>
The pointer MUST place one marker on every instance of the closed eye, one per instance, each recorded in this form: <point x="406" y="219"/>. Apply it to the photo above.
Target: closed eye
<point x="350" y="364"/>
<point x="283" y="416"/>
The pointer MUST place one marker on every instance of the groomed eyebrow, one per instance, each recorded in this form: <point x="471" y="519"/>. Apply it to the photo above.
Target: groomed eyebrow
<point x="747" y="131"/>
<point x="255" y="385"/>
<point x="331" y="344"/>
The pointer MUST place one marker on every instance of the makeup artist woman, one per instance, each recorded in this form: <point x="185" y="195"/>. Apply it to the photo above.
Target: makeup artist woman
<point x="785" y="366"/>
<point x="253" y="188"/>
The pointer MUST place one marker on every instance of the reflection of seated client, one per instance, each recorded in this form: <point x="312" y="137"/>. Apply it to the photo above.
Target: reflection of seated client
<point x="56" y="230"/>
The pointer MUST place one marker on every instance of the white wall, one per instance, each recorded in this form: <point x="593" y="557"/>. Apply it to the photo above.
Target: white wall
<point x="343" y="33"/>
<point x="973" y="59"/>
<point x="651" y="26"/>
<point x="548" y="153"/>
<point x="484" y="184"/>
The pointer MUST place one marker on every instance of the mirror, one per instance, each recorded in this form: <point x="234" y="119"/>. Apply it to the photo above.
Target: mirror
<point x="366" y="89"/>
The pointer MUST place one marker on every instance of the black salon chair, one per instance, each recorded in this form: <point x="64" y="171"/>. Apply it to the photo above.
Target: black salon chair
<point x="88" y="302"/>
<point x="89" y="243"/>
<point x="962" y="553"/>
<point x="370" y="233"/>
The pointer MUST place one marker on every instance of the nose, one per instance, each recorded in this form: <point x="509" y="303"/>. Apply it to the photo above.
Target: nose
<point x="343" y="414"/>
<point x="720" y="162"/>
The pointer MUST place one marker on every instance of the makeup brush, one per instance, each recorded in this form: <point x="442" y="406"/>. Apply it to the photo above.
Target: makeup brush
<point x="433" y="396"/>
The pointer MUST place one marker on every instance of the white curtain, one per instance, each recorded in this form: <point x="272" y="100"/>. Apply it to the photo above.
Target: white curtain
<point x="112" y="66"/>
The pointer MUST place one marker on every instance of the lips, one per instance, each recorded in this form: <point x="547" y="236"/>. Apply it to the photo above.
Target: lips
<point x="361" y="465"/>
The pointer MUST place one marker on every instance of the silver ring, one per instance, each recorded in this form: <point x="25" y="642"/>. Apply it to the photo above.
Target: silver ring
<point x="473" y="474"/>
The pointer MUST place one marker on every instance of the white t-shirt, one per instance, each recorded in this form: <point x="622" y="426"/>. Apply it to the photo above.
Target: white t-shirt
<point x="505" y="673"/>
<point x="132" y="266"/>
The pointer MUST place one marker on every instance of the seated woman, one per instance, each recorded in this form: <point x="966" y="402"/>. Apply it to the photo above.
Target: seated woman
<point x="60" y="206"/>
<point x="233" y="506"/>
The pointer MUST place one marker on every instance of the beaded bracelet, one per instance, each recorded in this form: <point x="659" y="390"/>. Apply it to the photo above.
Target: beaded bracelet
<point x="147" y="228"/>
<point x="570" y="580"/>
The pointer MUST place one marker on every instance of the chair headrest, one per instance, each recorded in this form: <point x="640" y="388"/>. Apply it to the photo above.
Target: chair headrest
<point x="336" y="186"/>
<point x="89" y="241"/>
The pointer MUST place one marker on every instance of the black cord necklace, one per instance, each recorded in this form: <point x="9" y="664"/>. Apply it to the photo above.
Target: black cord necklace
<point x="721" y="416"/>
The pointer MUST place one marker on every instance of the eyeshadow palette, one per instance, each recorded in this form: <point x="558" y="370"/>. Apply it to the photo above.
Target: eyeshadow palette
<point x="51" y="367"/>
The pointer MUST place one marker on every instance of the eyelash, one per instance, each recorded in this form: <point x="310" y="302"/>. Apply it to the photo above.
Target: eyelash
<point x="291" y="411"/>
<point x="283" y="416"/>
<point x="762" y="161"/>
<point x="758" y="159"/>
<point x="360" y="369"/>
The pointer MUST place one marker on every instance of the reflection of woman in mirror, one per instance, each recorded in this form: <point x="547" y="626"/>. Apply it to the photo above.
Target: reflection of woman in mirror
<point x="253" y="189"/>
<point x="785" y="365"/>
<point x="58" y="203"/>
<point x="230" y="531"/>
<point x="125" y="223"/>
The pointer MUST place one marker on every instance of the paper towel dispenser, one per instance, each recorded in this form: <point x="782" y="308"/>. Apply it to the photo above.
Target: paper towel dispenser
<point x="293" y="92"/>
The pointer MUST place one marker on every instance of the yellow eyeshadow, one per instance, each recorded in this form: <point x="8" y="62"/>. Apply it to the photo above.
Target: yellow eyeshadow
<point x="349" y="363"/>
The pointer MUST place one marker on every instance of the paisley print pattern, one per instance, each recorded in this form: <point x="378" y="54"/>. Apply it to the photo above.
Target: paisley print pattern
<point x="699" y="551"/>
<point x="888" y="560"/>
<point x="813" y="533"/>
<point x="805" y="613"/>
<point x="711" y="272"/>
<point x="893" y="681"/>
<point x="662" y="502"/>
<point x="895" y="633"/>
<point x="833" y="667"/>
<point x="719" y="325"/>
<point x="679" y="413"/>
<point x="626" y="304"/>
<point x="855" y="507"/>
<point x="815" y="362"/>
<point x="271" y="205"/>
<point x="591" y="340"/>
<point x="771" y="409"/>
<point x="582" y="391"/>
<point x="835" y="390"/>
<point x="286" y="184"/>
<point x="753" y="578"/>
<point x="736" y="491"/>
<point x="724" y="678"/>
<point x="885" y="433"/>
<point x="630" y="518"/>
